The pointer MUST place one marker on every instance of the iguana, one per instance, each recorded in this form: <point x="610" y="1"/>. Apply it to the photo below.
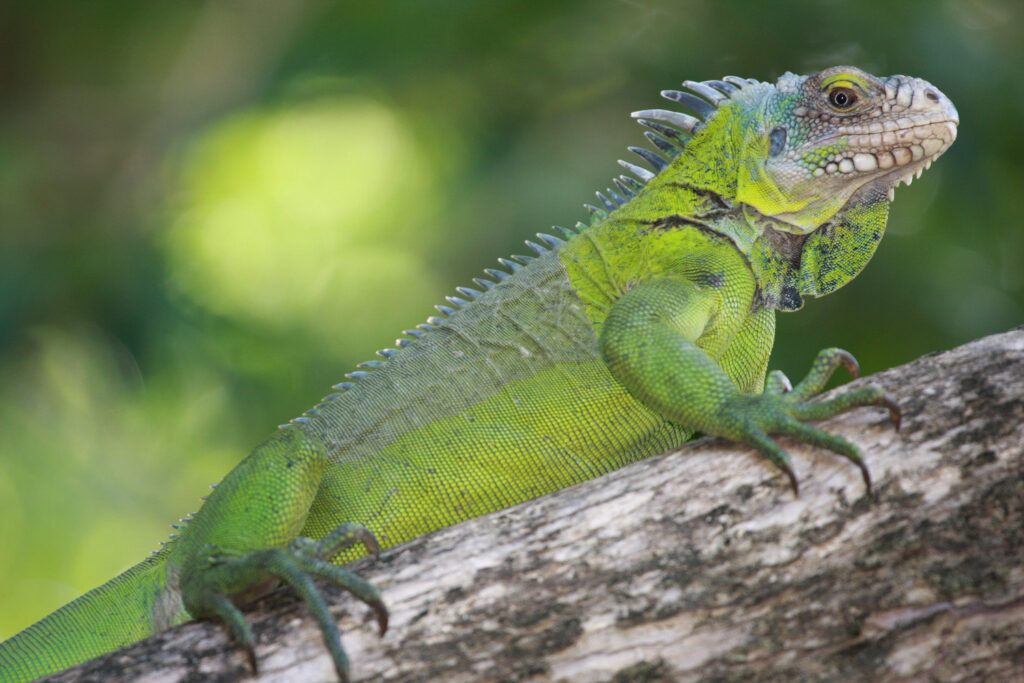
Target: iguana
<point x="620" y="339"/>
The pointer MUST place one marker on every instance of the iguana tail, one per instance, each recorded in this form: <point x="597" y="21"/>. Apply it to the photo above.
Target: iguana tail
<point x="126" y="609"/>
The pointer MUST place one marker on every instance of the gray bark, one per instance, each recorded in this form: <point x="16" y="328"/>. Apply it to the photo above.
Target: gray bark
<point x="701" y="564"/>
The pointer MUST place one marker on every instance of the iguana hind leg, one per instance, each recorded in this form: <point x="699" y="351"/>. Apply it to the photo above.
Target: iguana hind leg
<point x="245" y="540"/>
<point x="214" y="592"/>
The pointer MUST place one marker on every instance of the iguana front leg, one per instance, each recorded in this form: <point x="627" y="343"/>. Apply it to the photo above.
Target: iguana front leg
<point x="650" y="342"/>
<point x="244" y="541"/>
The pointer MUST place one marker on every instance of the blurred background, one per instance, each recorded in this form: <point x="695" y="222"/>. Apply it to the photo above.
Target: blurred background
<point x="209" y="212"/>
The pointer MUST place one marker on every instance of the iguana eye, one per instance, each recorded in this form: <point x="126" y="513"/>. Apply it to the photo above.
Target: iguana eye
<point x="842" y="98"/>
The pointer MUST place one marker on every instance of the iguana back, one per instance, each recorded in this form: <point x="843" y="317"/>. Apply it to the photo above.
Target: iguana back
<point x="503" y="400"/>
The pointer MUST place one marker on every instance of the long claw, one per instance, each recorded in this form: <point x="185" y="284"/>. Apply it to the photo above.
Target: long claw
<point x="250" y="653"/>
<point x="345" y="536"/>
<point x="777" y="383"/>
<point x="382" y="615"/>
<point x="361" y="534"/>
<point x="895" y="415"/>
<point x="847" y="360"/>
<point x="825" y="363"/>
<point x="371" y="545"/>
<point x="792" y="479"/>
<point x="759" y="440"/>
<point x="832" y="442"/>
<point x="219" y="604"/>
<point x="865" y="473"/>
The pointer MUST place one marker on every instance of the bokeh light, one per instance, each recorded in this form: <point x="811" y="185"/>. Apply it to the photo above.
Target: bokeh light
<point x="299" y="217"/>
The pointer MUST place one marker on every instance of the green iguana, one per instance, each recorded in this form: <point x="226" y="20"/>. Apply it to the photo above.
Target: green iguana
<point x="618" y="340"/>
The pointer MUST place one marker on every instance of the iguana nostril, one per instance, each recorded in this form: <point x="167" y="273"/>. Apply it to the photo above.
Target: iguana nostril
<point x="932" y="95"/>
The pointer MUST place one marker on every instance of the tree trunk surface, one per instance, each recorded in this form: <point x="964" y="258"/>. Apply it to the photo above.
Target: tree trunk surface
<point x="702" y="564"/>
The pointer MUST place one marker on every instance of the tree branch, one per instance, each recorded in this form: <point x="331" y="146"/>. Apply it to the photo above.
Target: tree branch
<point x="702" y="564"/>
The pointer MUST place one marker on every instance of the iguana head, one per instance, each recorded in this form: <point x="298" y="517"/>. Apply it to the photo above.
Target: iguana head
<point x="798" y="175"/>
<point x="820" y="139"/>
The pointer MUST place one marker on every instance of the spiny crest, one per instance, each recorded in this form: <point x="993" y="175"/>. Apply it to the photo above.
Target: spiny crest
<point x="182" y="523"/>
<point x="669" y="131"/>
<point x="468" y="296"/>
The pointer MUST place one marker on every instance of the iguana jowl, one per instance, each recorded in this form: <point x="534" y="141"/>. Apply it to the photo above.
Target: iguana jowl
<point x="618" y="340"/>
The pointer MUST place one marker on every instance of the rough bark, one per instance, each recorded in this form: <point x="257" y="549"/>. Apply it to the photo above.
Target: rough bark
<point x="701" y="564"/>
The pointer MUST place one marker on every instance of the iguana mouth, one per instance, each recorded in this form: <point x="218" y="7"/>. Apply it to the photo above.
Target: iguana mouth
<point x="902" y="149"/>
<point x="906" y="152"/>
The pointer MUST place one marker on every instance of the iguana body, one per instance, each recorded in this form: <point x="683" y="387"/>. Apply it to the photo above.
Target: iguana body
<point x="654" y="322"/>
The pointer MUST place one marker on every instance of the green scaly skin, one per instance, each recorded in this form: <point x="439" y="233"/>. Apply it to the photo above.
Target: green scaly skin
<point x="651" y="324"/>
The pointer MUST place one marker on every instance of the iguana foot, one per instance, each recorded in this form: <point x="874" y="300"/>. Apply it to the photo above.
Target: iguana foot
<point x="782" y="408"/>
<point x="229" y="578"/>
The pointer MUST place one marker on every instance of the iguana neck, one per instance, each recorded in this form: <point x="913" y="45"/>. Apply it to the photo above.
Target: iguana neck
<point x="699" y="189"/>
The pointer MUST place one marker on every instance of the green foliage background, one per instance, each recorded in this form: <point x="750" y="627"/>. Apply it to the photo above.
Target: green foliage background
<point x="211" y="211"/>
